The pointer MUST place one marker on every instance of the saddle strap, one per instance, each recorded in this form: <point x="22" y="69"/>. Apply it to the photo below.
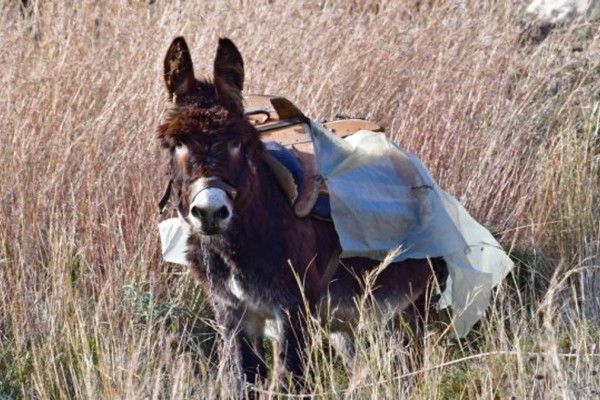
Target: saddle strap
<point x="330" y="270"/>
<point x="162" y="203"/>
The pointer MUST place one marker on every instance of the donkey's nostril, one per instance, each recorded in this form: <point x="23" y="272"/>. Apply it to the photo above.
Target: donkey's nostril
<point x="202" y="214"/>
<point x="197" y="212"/>
<point x="210" y="208"/>
<point x="222" y="213"/>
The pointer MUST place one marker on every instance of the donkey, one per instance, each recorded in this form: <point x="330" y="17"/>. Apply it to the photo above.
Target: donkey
<point x="263" y="268"/>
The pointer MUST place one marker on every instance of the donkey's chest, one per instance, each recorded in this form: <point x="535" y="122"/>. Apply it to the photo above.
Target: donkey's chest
<point x="253" y="279"/>
<point x="246" y="294"/>
<point x="249" y="295"/>
<point x="259" y="311"/>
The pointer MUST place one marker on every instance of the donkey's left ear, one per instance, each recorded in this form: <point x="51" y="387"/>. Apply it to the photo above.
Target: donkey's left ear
<point x="179" y="70"/>
<point x="229" y="75"/>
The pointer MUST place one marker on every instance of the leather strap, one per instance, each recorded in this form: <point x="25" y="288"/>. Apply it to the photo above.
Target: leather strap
<point x="214" y="182"/>
<point x="284" y="123"/>
<point x="209" y="183"/>
<point x="162" y="203"/>
<point x="330" y="270"/>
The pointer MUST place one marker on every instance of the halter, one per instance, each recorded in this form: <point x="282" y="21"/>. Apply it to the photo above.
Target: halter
<point x="211" y="182"/>
<point x="220" y="183"/>
<point x="162" y="203"/>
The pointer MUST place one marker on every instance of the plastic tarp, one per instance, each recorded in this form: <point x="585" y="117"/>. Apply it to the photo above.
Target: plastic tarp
<point x="173" y="240"/>
<point x="382" y="199"/>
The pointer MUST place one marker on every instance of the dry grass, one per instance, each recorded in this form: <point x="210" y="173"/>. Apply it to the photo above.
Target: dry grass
<point x="87" y="308"/>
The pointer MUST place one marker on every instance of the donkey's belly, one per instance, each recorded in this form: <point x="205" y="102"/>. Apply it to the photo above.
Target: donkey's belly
<point x="341" y="313"/>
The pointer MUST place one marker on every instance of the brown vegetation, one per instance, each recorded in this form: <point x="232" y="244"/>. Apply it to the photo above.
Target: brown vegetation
<point x="87" y="307"/>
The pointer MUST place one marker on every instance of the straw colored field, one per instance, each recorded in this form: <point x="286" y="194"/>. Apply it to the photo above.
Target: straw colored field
<point x="89" y="310"/>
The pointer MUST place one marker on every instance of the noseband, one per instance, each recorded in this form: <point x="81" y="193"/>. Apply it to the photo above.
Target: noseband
<point x="212" y="182"/>
<point x="217" y="183"/>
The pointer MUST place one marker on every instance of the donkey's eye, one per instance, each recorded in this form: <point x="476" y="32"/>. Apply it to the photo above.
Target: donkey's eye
<point x="181" y="153"/>
<point x="179" y="146"/>
<point x="234" y="147"/>
<point x="216" y="147"/>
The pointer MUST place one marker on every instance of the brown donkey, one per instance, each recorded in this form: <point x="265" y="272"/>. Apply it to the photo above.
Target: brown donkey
<point x="247" y="248"/>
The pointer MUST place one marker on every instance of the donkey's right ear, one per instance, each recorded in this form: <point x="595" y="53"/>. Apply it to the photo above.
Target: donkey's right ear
<point x="179" y="70"/>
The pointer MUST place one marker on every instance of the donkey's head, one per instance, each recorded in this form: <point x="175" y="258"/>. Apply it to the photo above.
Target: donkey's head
<point x="211" y="144"/>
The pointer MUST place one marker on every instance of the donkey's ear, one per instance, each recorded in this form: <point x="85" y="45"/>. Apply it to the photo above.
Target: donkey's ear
<point x="179" y="70"/>
<point x="229" y="75"/>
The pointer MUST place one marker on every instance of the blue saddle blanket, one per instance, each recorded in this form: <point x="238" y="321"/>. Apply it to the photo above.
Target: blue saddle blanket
<point x="322" y="207"/>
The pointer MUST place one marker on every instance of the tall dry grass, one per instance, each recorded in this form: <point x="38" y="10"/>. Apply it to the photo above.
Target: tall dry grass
<point x="87" y="308"/>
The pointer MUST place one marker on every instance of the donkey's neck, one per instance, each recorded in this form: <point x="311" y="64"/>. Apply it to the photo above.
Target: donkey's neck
<point x="268" y="211"/>
<point x="263" y="224"/>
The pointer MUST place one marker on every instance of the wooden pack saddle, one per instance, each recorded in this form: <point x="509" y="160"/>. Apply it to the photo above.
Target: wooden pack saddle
<point x="286" y="131"/>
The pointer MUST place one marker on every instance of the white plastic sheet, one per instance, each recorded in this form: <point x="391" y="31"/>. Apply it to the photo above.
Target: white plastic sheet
<point x="383" y="198"/>
<point x="173" y="240"/>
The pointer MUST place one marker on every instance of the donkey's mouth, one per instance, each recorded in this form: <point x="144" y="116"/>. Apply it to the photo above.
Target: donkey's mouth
<point x="210" y="230"/>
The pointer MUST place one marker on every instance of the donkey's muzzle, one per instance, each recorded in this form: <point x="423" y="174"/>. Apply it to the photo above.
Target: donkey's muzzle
<point x="210" y="208"/>
<point x="211" y="219"/>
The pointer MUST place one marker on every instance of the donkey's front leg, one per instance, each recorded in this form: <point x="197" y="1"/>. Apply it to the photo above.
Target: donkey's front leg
<point x="252" y="358"/>
<point x="248" y="349"/>
<point x="292" y="348"/>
